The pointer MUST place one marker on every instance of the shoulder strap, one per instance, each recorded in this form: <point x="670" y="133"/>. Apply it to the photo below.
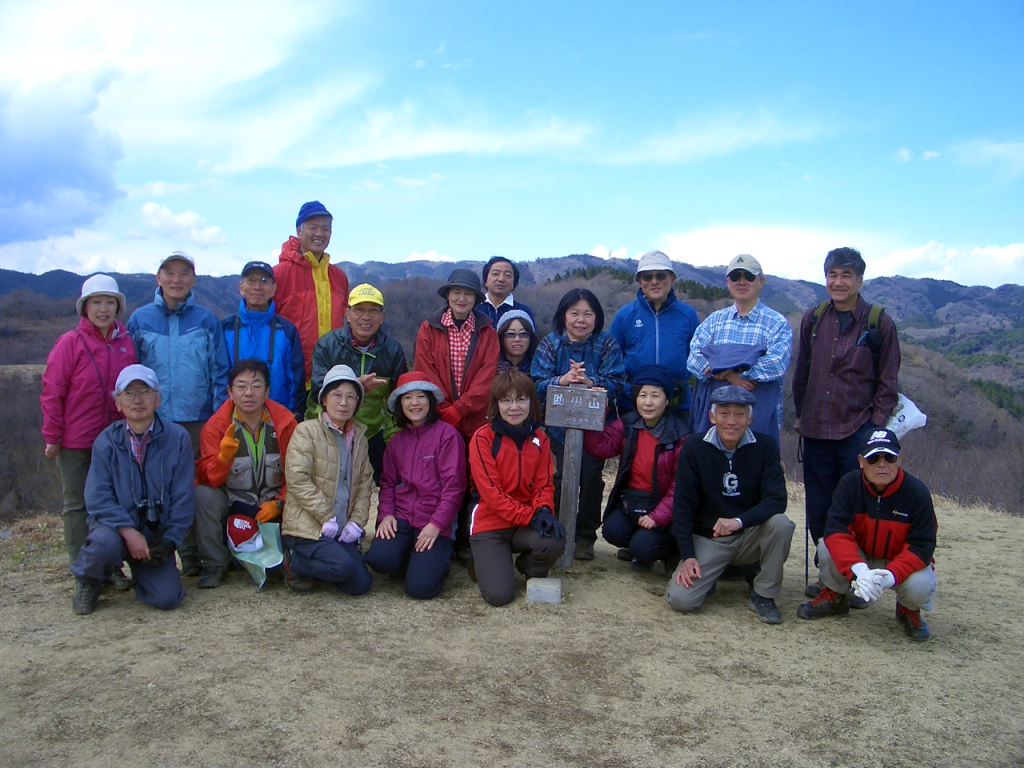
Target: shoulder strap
<point x="95" y="365"/>
<point x="816" y="317"/>
<point x="874" y="315"/>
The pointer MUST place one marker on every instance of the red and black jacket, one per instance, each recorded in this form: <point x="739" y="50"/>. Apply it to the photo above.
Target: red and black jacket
<point x="898" y="526"/>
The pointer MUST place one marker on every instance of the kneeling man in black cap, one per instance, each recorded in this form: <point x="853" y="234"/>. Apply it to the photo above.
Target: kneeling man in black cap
<point x="879" y="534"/>
<point x="729" y="508"/>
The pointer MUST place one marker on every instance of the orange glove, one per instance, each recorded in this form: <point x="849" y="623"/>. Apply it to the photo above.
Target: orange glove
<point x="268" y="511"/>
<point x="228" y="445"/>
<point x="449" y="414"/>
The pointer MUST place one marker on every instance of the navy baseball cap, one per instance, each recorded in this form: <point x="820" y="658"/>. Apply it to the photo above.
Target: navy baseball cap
<point x="262" y="266"/>
<point x="880" y="441"/>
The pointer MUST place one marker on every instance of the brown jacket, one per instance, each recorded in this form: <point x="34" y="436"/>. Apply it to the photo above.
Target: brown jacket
<point x="311" y="471"/>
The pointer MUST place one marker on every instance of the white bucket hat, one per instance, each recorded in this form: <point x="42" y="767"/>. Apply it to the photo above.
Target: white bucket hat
<point x="100" y="285"/>
<point x="341" y="373"/>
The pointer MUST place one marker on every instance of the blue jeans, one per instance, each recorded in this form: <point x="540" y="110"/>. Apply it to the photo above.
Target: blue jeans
<point x="425" y="571"/>
<point x="330" y="560"/>
<point x="825" y="462"/>
<point x="621" y="530"/>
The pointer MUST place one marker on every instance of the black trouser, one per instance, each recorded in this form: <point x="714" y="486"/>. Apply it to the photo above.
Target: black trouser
<point x="588" y="518"/>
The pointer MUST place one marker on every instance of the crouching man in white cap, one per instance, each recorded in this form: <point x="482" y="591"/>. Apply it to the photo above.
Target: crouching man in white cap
<point x="327" y="501"/>
<point x="140" y="497"/>
<point x="729" y="508"/>
<point x="879" y="534"/>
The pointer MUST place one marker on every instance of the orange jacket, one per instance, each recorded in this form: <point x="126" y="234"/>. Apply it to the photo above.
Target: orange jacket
<point x="513" y="484"/>
<point x="209" y="470"/>
<point x="433" y="357"/>
<point x="295" y="299"/>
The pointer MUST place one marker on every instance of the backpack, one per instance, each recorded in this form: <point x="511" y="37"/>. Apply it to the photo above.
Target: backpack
<point x="872" y="335"/>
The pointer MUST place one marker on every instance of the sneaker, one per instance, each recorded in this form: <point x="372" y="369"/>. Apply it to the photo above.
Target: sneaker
<point x="211" y="576"/>
<point x="119" y="581"/>
<point x="624" y="554"/>
<point x="858" y="602"/>
<point x="86" y="595"/>
<point x="637" y="565"/>
<point x="765" y="609"/>
<point x="812" y="590"/>
<point x="190" y="565"/>
<point x="292" y="580"/>
<point x="913" y="625"/>
<point x="584" y="550"/>
<point x="827" y="603"/>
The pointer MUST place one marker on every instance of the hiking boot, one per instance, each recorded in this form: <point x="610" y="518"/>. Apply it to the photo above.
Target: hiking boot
<point x="584" y="550"/>
<point x="858" y="602"/>
<point x="812" y="590"/>
<point x="86" y="595"/>
<point x="211" y="576"/>
<point x="190" y="565"/>
<point x="624" y="554"/>
<point x="119" y="581"/>
<point x="827" y="603"/>
<point x="913" y="625"/>
<point x="671" y="564"/>
<point x="765" y="609"/>
<point x="640" y="566"/>
<point x="292" y="580"/>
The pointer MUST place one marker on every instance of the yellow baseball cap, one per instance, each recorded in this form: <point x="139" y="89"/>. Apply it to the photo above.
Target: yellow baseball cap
<point x="365" y="292"/>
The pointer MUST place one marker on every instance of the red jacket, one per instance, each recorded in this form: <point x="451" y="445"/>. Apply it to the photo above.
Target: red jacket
<point x="209" y="470"/>
<point x="79" y="378"/>
<point x="513" y="484"/>
<point x="469" y="412"/>
<point x="295" y="299"/>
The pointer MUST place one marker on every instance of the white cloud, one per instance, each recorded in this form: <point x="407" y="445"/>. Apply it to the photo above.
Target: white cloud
<point x="428" y="256"/>
<point x="369" y="185"/>
<point x="902" y="155"/>
<point x="930" y="154"/>
<point x="699" y="140"/>
<point x="991" y="265"/>
<point x="153" y="189"/>
<point x="602" y="252"/>
<point x="1008" y="156"/>
<point x="409" y="182"/>
<point x="186" y="227"/>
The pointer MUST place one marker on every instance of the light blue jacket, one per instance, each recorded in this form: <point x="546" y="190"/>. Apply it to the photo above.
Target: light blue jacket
<point x="185" y="348"/>
<point x="287" y="369"/>
<point x="115" y="486"/>
<point x="656" y="338"/>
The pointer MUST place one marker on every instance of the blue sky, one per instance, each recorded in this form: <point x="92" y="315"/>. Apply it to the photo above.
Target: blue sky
<point x="458" y="130"/>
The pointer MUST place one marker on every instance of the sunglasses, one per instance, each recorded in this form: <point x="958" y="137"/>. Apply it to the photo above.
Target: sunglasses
<point x="516" y="334"/>
<point x="889" y="458"/>
<point x="646" y="277"/>
<point x="741" y="274"/>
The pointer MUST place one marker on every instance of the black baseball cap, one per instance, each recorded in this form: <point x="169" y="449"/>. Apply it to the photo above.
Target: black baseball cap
<point x="880" y="441"/>
<point x="262" y="266"/>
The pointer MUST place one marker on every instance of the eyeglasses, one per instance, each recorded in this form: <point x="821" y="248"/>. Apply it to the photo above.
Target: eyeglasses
<point x="523" y="402"/>
<point x="366" y="311"/>
<point x="889" y="458"/>
<point x="513" y="335"/>
<point x="257" y="280"/>
<point x="646" y="277"/>
<point x="741" y="274"/>
<point x="131" y="394"/>
<point x="251" y="386"/>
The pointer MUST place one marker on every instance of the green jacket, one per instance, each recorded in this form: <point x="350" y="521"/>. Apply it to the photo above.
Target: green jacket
<point x="385" y="358"/>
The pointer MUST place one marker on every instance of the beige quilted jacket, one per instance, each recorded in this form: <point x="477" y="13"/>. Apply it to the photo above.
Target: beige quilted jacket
<point x="311" y="474"/>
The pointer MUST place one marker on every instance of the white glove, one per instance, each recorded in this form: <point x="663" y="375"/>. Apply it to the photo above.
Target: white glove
<point x="330" y="528"/>
<point x="883" y="578"/>
<point x="351" y="532"/>
<point x="865" y="587"/>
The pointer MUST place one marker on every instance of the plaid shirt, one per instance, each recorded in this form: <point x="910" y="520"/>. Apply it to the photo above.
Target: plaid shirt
<point x="761" y="325"/>
<point x="835" y="387"/>
<point x="459" y="340"/>
<point x="138" y="443"/>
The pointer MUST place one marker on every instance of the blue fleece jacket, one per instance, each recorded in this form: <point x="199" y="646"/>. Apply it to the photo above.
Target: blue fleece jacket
<point x="287" y="369"/>
<point x="185" y="348"/>
<point x="655" y="338"/>
<point x="116" y="484"/>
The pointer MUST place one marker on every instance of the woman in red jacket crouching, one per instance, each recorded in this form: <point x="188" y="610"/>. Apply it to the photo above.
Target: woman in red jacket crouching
<point x="511" y="465"/>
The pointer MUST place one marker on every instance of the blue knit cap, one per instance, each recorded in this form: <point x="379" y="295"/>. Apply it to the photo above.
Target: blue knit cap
<point x="656" y="375"/>
<point x="310" y="209"/>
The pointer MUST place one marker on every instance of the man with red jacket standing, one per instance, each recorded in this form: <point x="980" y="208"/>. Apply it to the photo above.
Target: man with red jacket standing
<point x="880" y="534"/>
<point x="311" y="292"/>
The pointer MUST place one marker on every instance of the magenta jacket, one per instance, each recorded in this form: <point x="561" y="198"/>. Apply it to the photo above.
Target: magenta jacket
<point x="424" y="476"/>
<point x="78" y="383"/>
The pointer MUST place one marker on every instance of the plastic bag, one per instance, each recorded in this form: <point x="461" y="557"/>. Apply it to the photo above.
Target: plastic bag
<point x="905" y="416"/>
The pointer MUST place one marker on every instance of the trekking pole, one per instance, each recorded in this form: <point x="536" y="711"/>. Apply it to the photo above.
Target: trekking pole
<point x="807" y="527"/>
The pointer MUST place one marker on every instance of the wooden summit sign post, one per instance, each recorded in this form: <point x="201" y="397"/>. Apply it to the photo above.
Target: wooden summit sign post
<point x="574" y="408"/>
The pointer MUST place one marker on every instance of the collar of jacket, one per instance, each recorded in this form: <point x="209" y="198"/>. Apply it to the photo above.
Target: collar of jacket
<point x="345" y="334"/>
<point x="85" y="326"/>
<point x="644" y="303"/>
<point x="252" y="316"/>
<point x="121" y="433"/>
<point x="673" y="428"/>
<point x="890" y="489"/>
<point x="859" y="312"/>
<point x="711" y="436"/>
<point x="590" y="341"/>
<point x="481" y="317"/>
<point x="159" y="301"/>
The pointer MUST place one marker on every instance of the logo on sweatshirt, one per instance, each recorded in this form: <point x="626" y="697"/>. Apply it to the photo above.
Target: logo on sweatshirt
<point x="731" y="484"/>
<point x="639" y="323"/>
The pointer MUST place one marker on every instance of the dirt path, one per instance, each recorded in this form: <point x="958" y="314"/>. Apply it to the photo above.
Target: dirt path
<point x="612" y="677"/>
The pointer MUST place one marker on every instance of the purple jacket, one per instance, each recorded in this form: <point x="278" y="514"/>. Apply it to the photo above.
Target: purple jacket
<point x="424" y="476"/>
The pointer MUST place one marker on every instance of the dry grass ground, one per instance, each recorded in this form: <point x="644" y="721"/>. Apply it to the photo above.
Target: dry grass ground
<point x="612" y="677"/>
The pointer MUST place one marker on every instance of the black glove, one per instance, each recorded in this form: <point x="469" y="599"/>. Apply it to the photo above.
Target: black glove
<point x="546" y="524"/>
<point x="161" y="552"/>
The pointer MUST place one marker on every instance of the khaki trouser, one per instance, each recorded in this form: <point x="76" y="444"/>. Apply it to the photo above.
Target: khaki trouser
<point x="914" y="593"/>
<point x="73" y="467"/>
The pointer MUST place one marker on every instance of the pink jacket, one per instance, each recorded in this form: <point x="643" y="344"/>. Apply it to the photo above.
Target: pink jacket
<point x="80" y="374"/>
